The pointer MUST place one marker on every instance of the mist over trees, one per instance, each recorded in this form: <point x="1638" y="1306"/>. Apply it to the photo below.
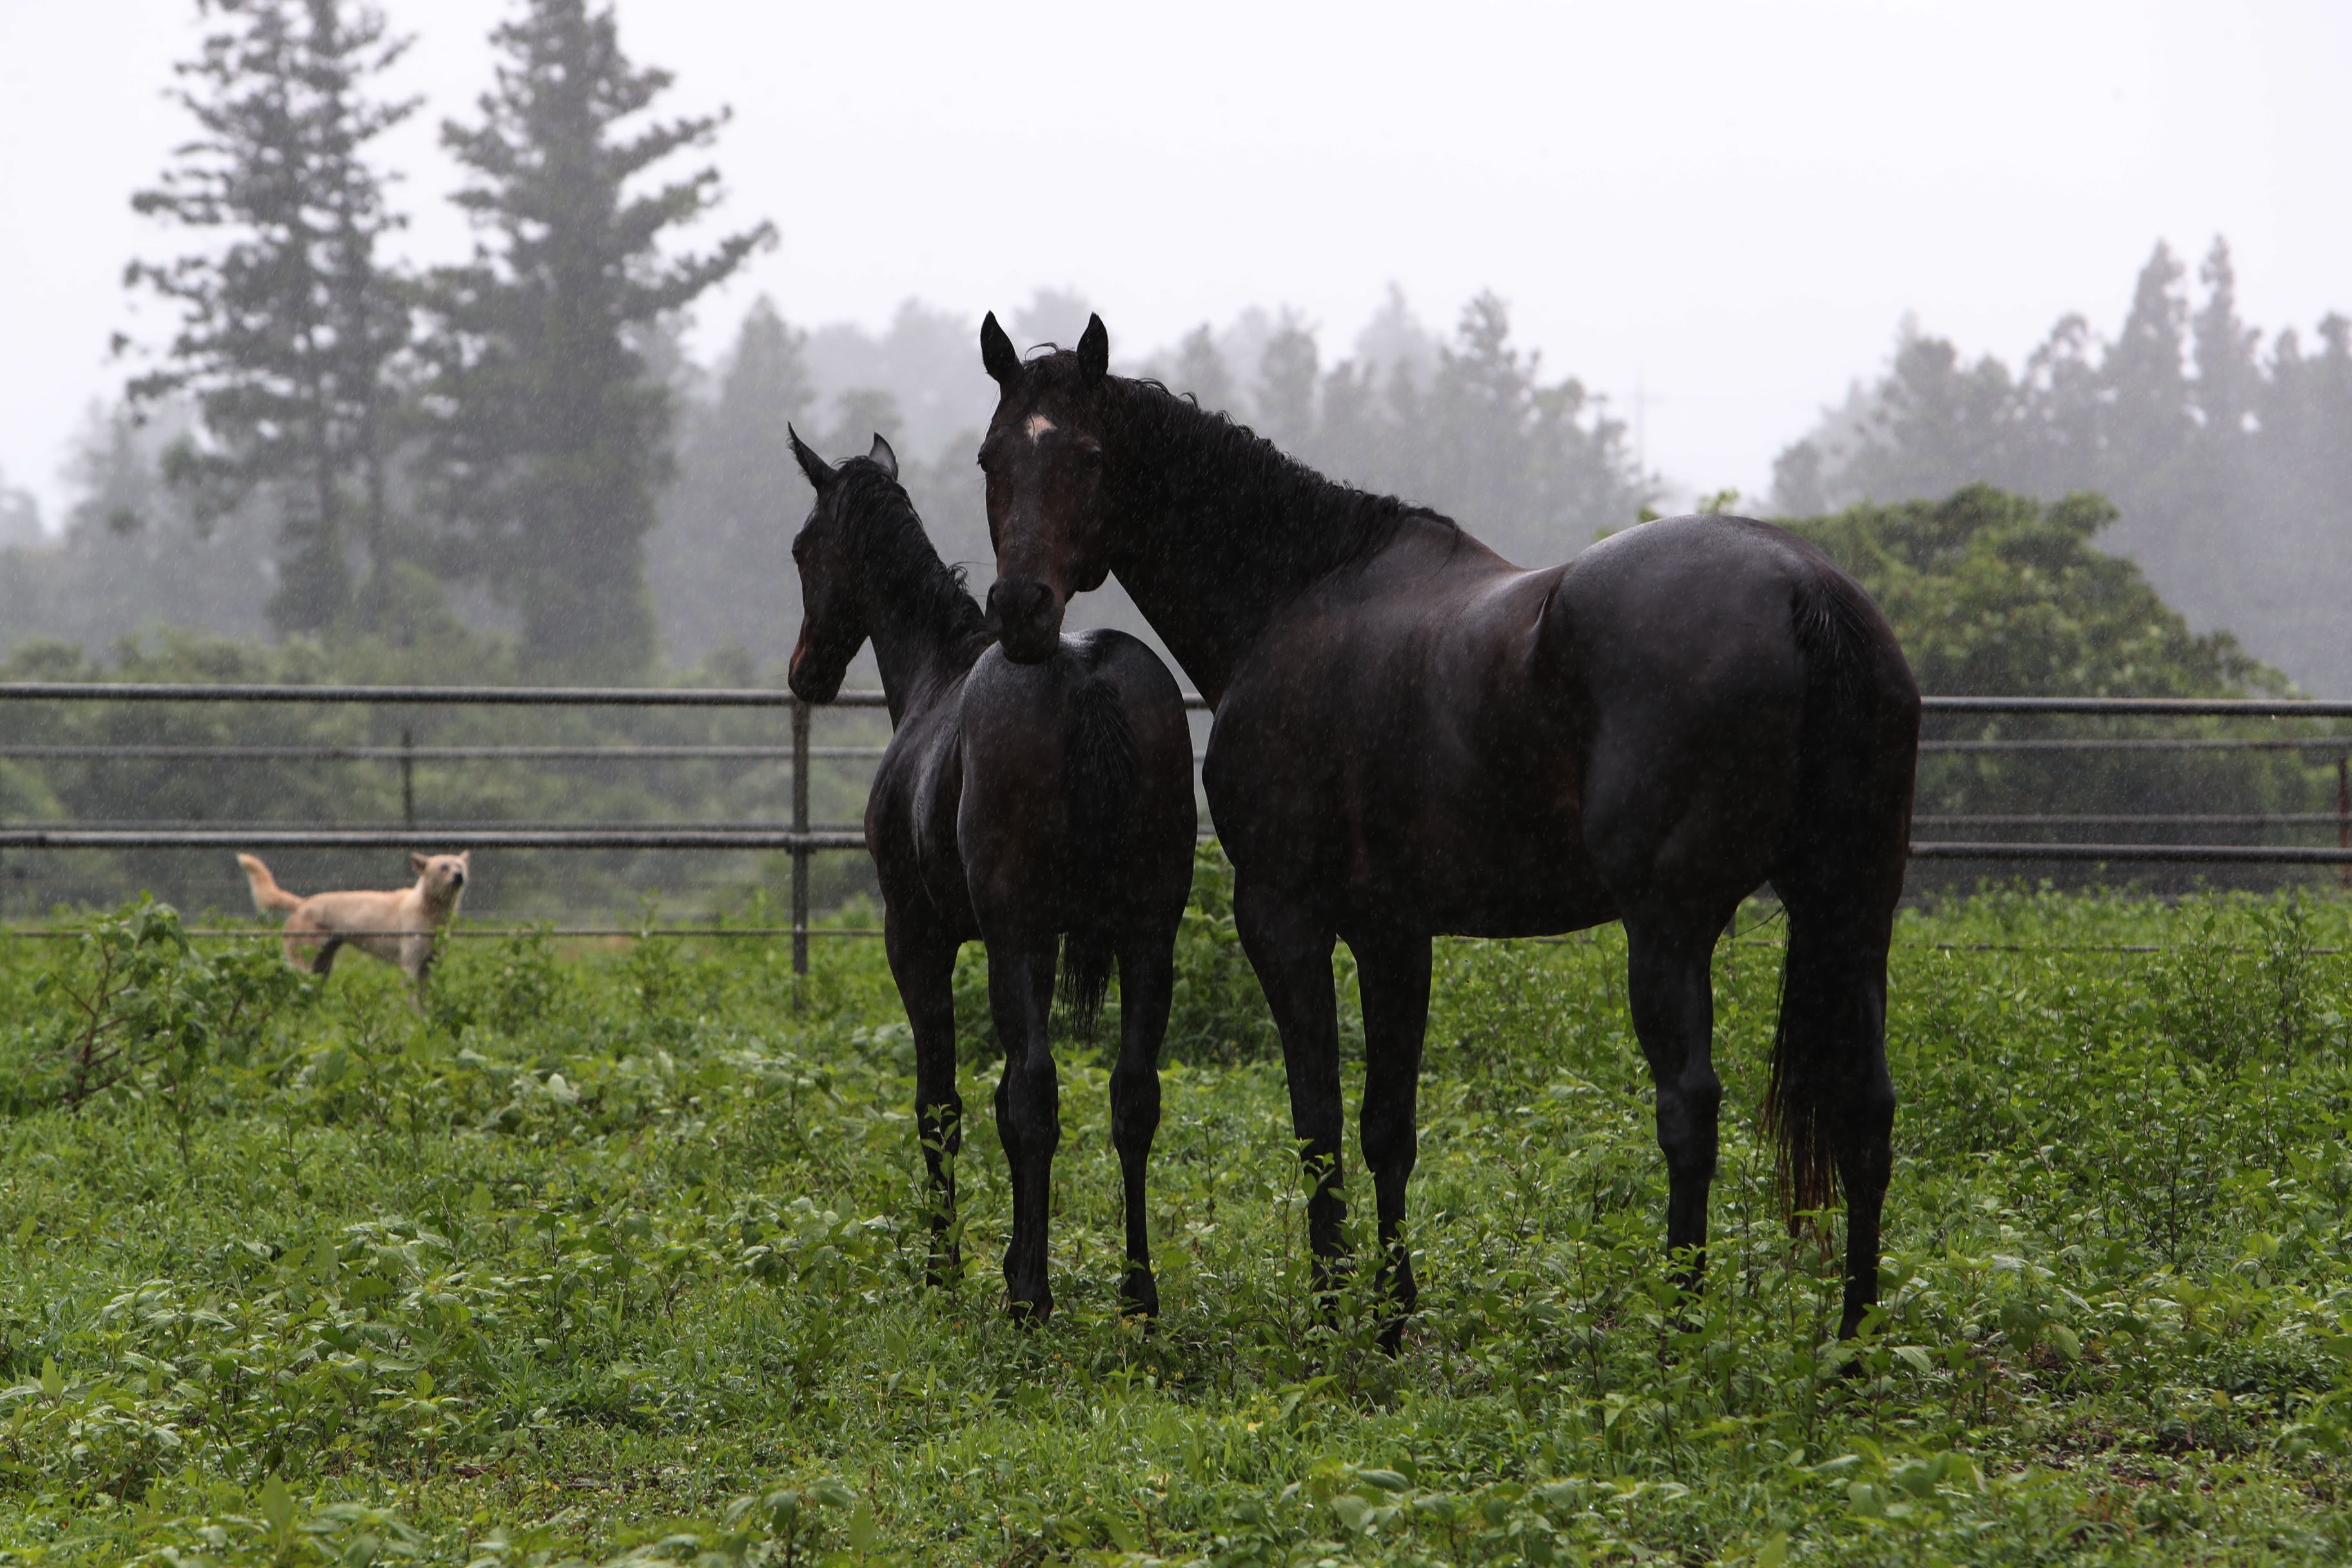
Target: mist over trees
<point x="2228" y="464"/>
<point x="1466" y="424"/>
<point x="520" y="448"/>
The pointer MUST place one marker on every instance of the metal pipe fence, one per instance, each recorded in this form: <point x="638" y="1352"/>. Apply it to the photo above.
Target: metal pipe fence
<point x="801" y="841"/>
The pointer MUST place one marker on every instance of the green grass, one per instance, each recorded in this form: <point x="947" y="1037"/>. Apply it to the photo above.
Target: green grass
<point x="618" y="1252"/>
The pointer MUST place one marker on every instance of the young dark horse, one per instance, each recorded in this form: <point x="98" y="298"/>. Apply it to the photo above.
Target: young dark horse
<point x="1016" y="802"/>
<point x="1414" y="736"/>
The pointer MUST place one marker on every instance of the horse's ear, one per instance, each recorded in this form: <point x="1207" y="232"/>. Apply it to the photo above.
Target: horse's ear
<point x="814" y="466"/>
<point x="1093" y="351"/>
<point x="997" y="353"/>
<point x="884" y="458"/>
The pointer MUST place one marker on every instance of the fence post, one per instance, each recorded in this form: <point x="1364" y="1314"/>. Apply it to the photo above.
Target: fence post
<point x="2344" y="814"/>
<point x="407" y="779"/>
<point x="800" y="847"/>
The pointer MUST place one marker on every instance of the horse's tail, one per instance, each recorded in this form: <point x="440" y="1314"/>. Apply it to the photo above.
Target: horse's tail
<point x="1098" y="772"/>
<point x="1832" y="872"/>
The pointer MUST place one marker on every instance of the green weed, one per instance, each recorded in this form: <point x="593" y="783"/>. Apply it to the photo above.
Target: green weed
<point x="615" y="1255"/>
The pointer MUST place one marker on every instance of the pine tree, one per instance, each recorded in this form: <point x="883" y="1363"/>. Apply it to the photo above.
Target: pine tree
<point x="552" y="440"/>
<point x="722" y="566"/>
<point x="1287" y="369"/>
<point x="1200" y="371"/>
<point x="2228" y="372"/>
<point x="2150" y="411"/>
<point x="289" y="331"/>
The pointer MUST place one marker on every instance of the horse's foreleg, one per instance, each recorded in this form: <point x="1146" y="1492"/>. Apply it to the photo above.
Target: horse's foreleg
<point x="923" y="963"/>
<point x="1291" y="952"/>
<point x="1028" y="1112"/>
<point x="1146" y="987"/>
<point x="1669" y="986"/>
<point x="1394" y="975"/>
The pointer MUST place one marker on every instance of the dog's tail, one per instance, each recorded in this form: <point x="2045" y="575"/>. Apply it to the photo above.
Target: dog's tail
<point x="267" y="894"/>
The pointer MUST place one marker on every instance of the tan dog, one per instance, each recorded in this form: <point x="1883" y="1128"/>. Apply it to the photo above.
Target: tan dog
<point x="397" y="927"/>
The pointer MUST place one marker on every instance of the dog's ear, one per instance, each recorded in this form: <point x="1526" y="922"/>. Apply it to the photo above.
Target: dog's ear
<point x="417" y="863"/>
<point x="466" y="859"/>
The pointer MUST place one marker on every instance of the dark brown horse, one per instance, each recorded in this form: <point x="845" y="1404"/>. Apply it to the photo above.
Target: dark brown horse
<point x="1414" y="736"/>
<point x="1016" y="802"/>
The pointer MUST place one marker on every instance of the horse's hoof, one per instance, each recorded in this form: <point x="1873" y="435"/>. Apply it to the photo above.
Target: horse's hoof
<point x="1139" y="1296"/>
<point x="1392" y="1340"/>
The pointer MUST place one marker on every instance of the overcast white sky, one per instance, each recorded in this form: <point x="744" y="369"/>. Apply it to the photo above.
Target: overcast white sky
<point x="1728" y="205"/>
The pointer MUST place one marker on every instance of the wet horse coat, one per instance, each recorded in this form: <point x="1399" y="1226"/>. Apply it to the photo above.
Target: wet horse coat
<point x="1416" y="737"/>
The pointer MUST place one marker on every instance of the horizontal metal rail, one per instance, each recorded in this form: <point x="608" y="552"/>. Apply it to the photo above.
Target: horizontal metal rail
<point x="423" y="696"/>
<point x="2205" y="854"/>
<point x="272" y="933"/>
<point x="2129" y="818"/>
<point x="626" y="752"/>
<point x="623" y="752"/>
<point x="428" y="826"/>
<point x="815" y="839"/>
<point x="2338" y="743"/>
<point x="396" y="838"/>
<point x="2145" y="707"/>
<point x="767" y="697"/>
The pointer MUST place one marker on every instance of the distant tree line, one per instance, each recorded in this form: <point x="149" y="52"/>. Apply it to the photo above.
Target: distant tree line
<point x="328" y="444"/>
<point x="519" y="445"/>
<point x="2230" y="464"/>
<point x="1995" y="594"/>
<point x="1466" y="424"/>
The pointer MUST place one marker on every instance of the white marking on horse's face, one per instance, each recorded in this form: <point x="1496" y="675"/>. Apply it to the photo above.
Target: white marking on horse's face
<point x="1037" y="426"/>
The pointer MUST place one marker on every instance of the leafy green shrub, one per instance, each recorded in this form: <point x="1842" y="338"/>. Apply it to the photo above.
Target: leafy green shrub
<point x="135" y="1003"/>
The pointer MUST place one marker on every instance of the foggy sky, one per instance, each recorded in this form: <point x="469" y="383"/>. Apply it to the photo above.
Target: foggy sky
<point x="1730" y="206"/>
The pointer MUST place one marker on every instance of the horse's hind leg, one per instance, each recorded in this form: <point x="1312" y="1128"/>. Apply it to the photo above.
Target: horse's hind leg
<point x="1669" y="985"/>
<point x="922" y="960"/>
<point x="1147" y="983"/>
<point x="1028" y="1110"/>
<point x="1833" y="1095"/>
<point x="1394" y="975"/>
<point x="1291" y="952"/>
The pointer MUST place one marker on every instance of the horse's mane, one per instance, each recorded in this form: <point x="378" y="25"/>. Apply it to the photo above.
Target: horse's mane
<point x="896" y="557"/>
<point x="1288" y="521"/>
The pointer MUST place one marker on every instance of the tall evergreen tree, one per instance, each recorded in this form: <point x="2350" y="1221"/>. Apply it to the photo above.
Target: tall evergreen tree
<point x="552" y="439"/>
<point x="2229" y="374"/>
<point x="290" y="327"/>
<point x="2146" y="383"/>
<point x="1287" y="369"/>
<point x="722" y="566"/>
<point x="1200" y="370"/>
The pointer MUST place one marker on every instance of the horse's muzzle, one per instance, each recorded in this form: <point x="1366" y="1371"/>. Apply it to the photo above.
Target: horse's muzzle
<point x="1026" y="616"/>
<point x="811" y="684"/>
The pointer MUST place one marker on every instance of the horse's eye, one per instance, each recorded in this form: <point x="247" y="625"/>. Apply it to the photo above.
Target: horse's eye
<point x="1090" y="455"/>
